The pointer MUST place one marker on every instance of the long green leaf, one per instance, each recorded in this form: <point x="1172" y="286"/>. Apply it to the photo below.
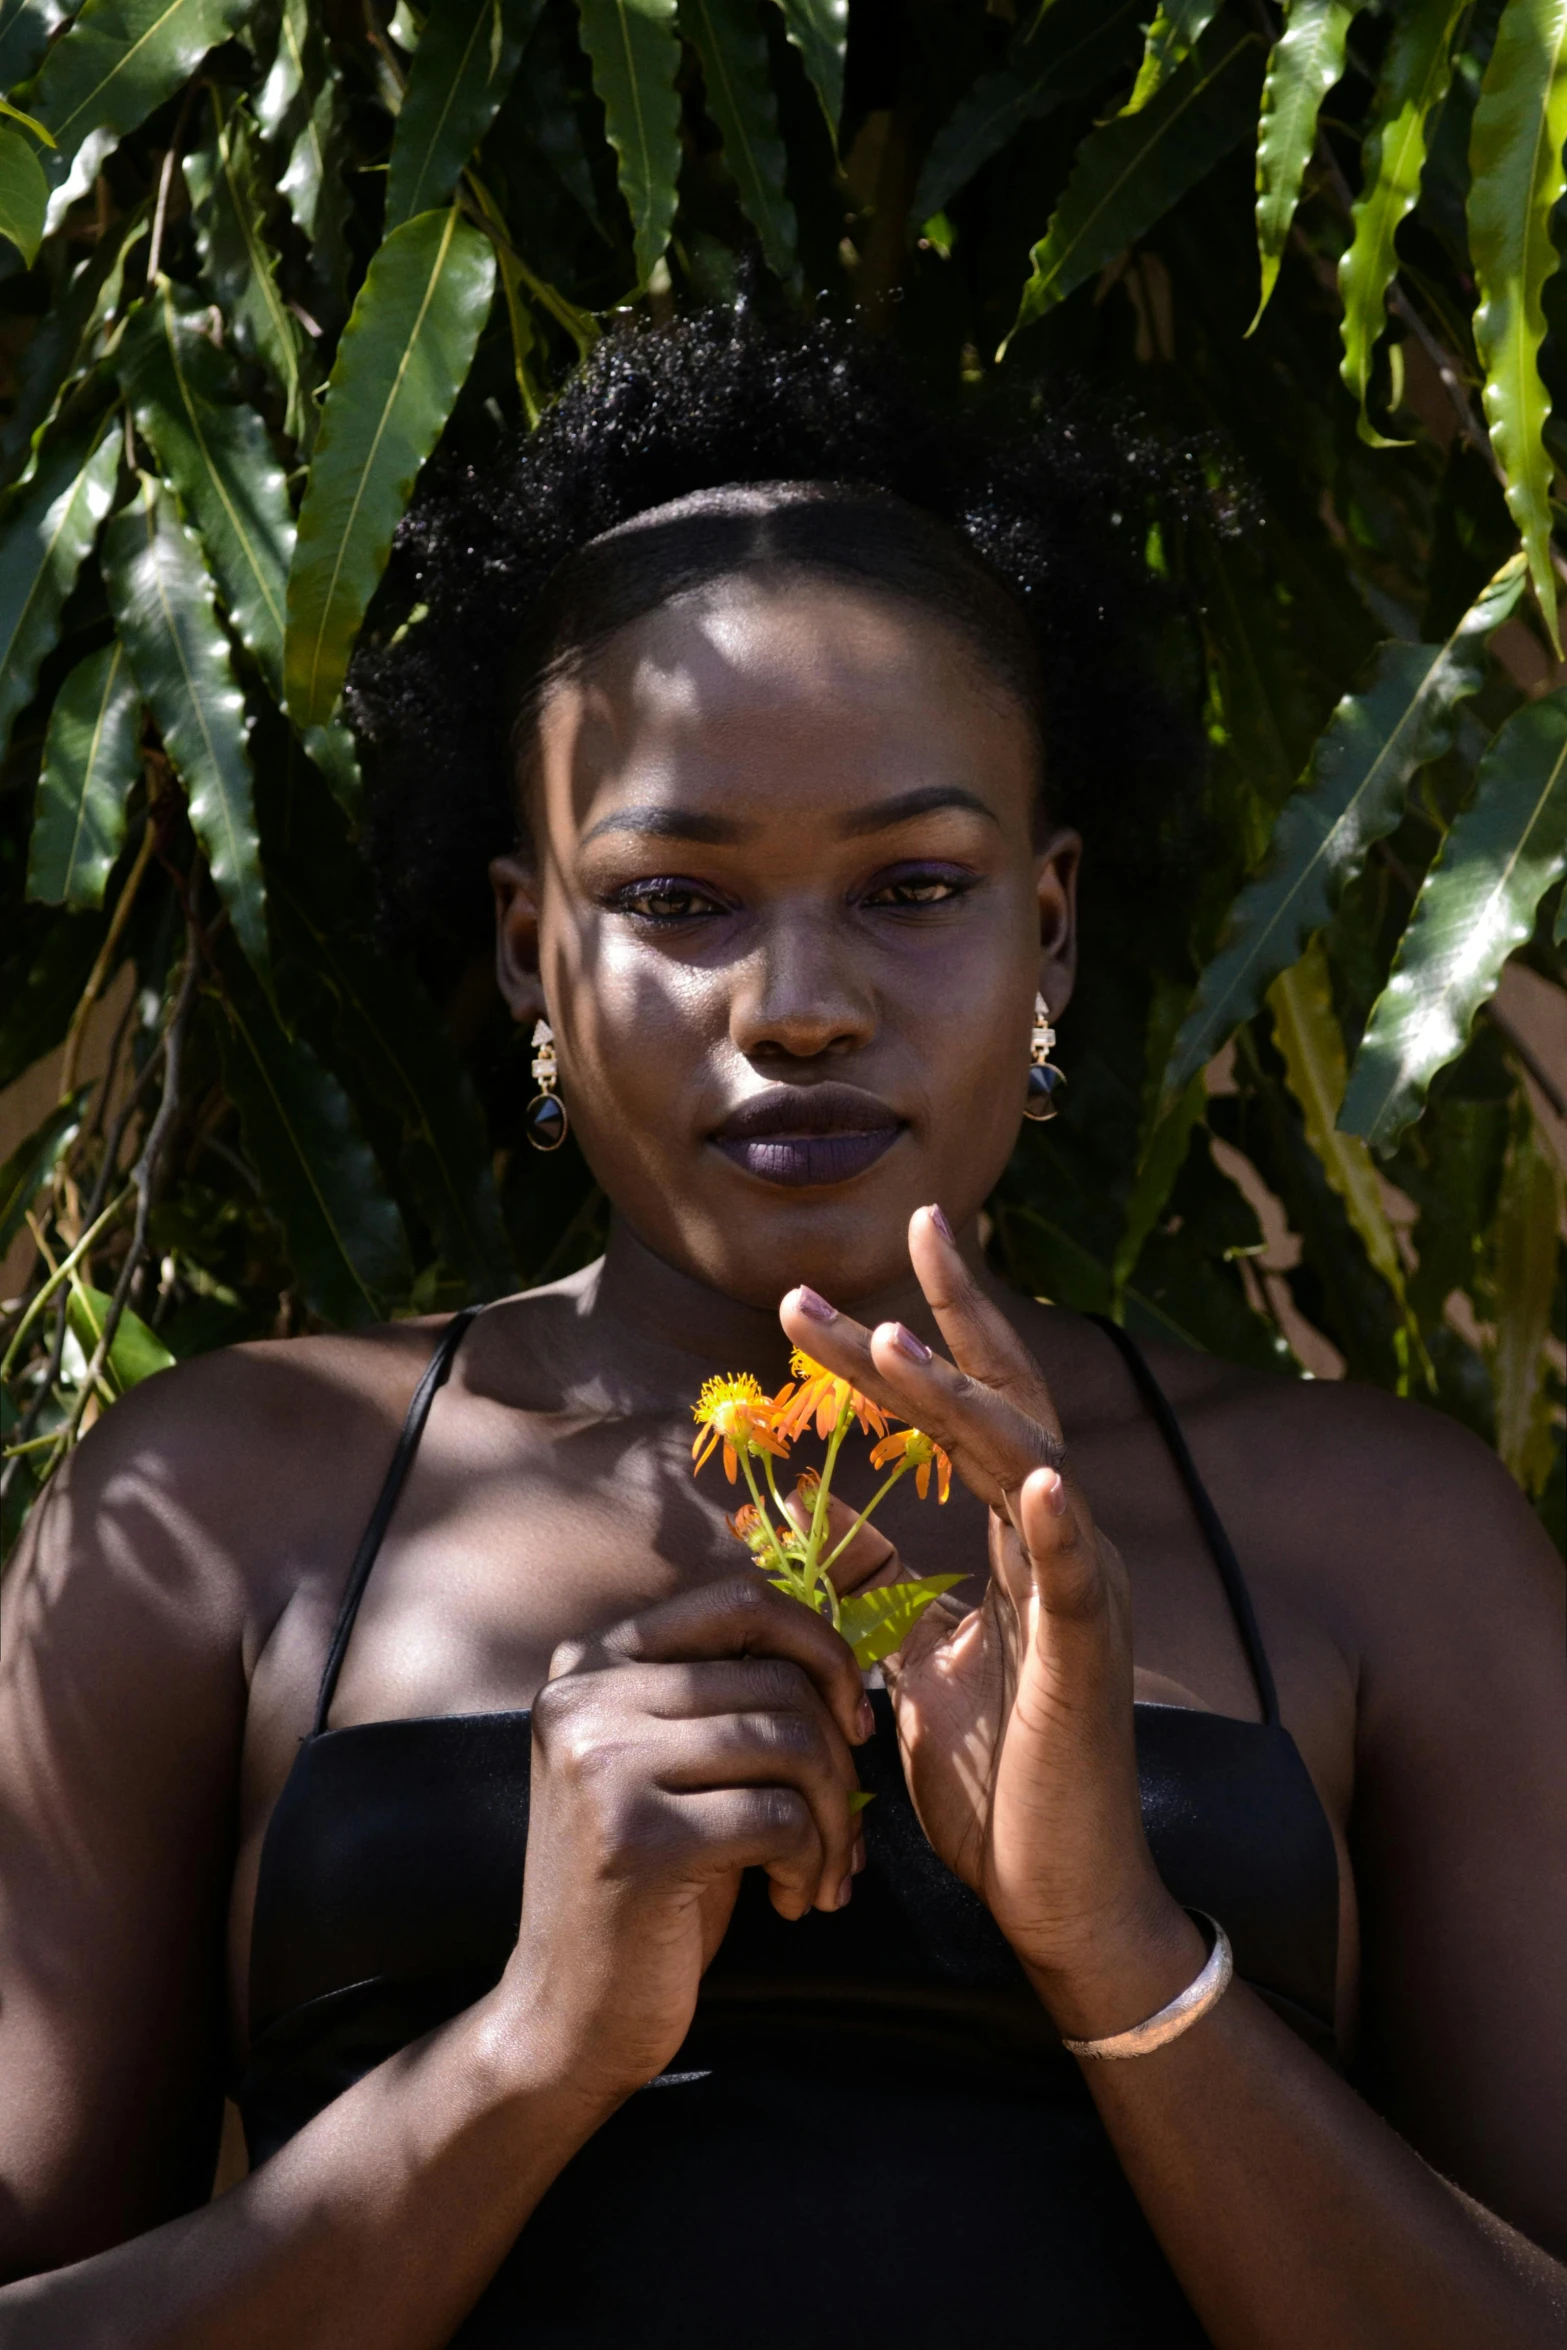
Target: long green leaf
<point x="461" y="72"/>
<point x="228" y="205"/>
<point x="1415" y="75"/>
<point x="64" y="339"/>
<point x="1306" y="60"/>
<point x="1130" y="171"/>
<point x="214" y="450"/>
<point x="92" y="758"/>
<point x="24" y="194"/>
<point x="319" y="1175"/>
<point x="1306" y="1030"/>
<point x="1177" y="27"/>
<point x="401" y="363"/>
<point x="136" y="1352"/>
<point x="819" y="30"/>
<point x="727" y="36"/>
<point x="161" y="596"/>
<point x="48" y="525"/>
<point x="25" y="26"/>
<point x="1071" y="50"/>
<point x="1352" y="794"/>
<point x="34" y="1161"/>
<point x="1523" y="1281"/>
<point x="1515" y="158"/>
<point x="120" y="59"/>
<point x="635" y="55"/>
<point x="1476" y="904"/>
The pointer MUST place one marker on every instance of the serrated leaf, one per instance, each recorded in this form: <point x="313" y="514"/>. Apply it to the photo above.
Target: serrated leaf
<point x="1476" y="904"/>
<point x="1306" y="1030"/>
<point x="819" y="31"/>
<point x="400" y="365"/>
<point x="727" y="37"/>
<point x="389" y="1029"/>
<point x="228" y="202"/>
<point x="460" y="74"/>
<point x="1131" y="170"/>
<point x="48" y="525"/>
<point x="876" y="1623"/>
<point x="1351" y="795"/>
<point x="136" y="1353"/>
<point x="1523" y="1284"/>
<point x="1305" y="62"/>
<point x="92" y="758"/>
<point x="119" y="60"/>
<point x="214" y="450"/>
<point x="33" y="1162"/>
<point x="1515" y="159"/>
<point x="1414" y="80"/>
<point x="24" y="194"/>
<point x="161" y="596"/>
<point x="1177" y="27"/>
<point x="1070" y="52"/>
<point x="25" y="26"/>
<point x="319" y="1175"/>
<point x="635" y="56"/>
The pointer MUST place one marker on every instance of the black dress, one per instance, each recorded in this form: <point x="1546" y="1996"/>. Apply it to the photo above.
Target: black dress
<point x="872" y="2135"/>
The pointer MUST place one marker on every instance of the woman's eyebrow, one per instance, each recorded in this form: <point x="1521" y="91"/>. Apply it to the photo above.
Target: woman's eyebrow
<point x="673" y="824"/>
<point x="885" y="813"/>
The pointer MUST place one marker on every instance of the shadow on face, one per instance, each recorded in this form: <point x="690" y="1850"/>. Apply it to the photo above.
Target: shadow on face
<point x="787" y="909"/>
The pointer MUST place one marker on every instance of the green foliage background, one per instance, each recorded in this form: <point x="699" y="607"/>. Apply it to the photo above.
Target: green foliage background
<point x="260" y="256"/>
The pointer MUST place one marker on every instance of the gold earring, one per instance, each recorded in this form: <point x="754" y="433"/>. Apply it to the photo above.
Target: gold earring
<point x="1045" y="1080"/>
<point x="545" y="1116"/>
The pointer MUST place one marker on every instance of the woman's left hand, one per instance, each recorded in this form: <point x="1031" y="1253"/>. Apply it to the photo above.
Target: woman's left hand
<point x="1015" y="1716"/>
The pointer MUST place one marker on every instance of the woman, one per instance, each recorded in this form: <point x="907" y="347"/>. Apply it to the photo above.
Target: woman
<point x="787" y="871"/>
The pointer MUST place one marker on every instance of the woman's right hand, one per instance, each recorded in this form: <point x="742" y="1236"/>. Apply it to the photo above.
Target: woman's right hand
<point x="710" y="1734"/>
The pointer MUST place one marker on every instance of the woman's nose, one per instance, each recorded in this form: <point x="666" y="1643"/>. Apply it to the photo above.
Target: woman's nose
<point x="798" y="996"/>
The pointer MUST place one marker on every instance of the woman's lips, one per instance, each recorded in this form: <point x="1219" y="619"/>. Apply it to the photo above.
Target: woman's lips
<point x="808" y="1136"/>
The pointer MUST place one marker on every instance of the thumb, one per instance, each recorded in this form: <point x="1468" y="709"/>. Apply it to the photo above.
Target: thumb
<point x="1063" y="1563"/>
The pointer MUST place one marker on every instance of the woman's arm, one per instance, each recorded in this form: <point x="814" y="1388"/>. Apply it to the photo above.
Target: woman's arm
<point x="1294" y="2216"/>
<point x="707" y="1736"/>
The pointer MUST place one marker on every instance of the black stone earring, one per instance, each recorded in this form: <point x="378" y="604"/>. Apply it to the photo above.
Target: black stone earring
<point x="545" y="1115"/>
<point x="1045" y="1080"/>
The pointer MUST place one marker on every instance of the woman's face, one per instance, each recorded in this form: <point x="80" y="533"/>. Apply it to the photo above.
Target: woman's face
<point x="789" y="916"/>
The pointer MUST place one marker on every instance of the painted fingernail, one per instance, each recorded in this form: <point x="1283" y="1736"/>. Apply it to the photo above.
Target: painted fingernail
<point x="845" y="1892"/>
<point x="939" y="1220"/>
<point x="1056" y="1497"/>
<point x="907" y="1344"/>
<point x="817" y="1307"/>
<point x="858" y="1861"/>
<point x="864" y="1719"/>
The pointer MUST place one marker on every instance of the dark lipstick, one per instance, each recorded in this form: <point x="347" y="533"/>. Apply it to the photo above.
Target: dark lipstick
<point x="808" y="1135"/>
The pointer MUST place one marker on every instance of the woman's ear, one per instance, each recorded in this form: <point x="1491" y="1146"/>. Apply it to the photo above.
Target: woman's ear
<point x="517" y="937"/>
<point x="1059" y="861"/>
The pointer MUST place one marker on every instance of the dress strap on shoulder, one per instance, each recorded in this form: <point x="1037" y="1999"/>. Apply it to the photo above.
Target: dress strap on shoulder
<point x="1157" y="1405"/>
<point x="436" y="1374"/>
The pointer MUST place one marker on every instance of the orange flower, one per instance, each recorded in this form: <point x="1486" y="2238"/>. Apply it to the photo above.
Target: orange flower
<point x="734" y="1412"/>
<point x="822" y="1395"/>
<point x="913" y="1445"/>
<point x="750" y="1527"/>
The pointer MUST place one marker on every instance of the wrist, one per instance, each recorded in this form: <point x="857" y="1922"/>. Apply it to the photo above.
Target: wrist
<point x="1125" y="1970"/>
<point x="532" y="2060"/>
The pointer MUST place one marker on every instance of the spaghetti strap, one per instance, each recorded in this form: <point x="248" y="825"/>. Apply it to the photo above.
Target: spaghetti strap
<point x="1159" y="1410"/>
<point x="437" y="1371"/>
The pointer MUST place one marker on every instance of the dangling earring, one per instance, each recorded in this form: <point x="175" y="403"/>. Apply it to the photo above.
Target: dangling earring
<point x="1045" y="1080"/>
<point x="545" y="1115"/>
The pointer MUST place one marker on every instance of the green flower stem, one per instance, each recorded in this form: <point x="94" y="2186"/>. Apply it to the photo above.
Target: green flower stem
<point x="819" y="1514"/>
<point x="761" y="1510"/>
<point x="875" y="1502"/>
<point x="62" y="1273"/>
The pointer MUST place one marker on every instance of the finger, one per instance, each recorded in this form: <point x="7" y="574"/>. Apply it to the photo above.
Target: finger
<point x="993" y="1445"/>
<point x="771" y="1828"/>
<point x="773" y="1749"/>
<point x="741" y="1616"/>
<point x="1064" y="1562"/>
<point x="979" y="1337"/>
<point x="868" y="1558"/>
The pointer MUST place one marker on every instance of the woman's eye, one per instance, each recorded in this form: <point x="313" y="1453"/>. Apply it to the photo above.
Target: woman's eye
<point x="917" y="889"/>
<point x="665" y="901"/>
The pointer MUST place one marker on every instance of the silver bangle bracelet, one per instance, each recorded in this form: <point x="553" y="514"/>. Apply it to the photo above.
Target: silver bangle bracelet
<point x="1185" y="2009"/>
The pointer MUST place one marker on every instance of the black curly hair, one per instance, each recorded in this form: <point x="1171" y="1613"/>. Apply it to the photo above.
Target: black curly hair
<point x="1024" y="530"/>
